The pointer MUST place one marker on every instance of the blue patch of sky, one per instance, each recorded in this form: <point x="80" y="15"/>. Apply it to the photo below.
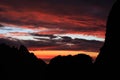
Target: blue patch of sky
<point x="8" y="29"/>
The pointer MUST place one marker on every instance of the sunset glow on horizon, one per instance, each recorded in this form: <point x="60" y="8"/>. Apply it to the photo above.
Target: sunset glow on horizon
<point x="49" y="54"/>
<point x="54" y="27"/>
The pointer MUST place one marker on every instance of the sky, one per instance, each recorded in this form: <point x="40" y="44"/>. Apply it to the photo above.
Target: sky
<point x="54" y="25"/>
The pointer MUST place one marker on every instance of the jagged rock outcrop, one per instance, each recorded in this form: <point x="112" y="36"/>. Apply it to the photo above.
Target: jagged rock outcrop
<point x="109" y="53"/>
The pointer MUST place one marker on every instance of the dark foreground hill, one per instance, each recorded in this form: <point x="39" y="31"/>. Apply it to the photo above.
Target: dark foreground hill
<point x="20" y="64"/>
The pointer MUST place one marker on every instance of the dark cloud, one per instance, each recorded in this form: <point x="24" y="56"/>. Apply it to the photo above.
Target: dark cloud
<point x="66" y="27"/>
<point x="88" y="45"/>
<point x="43" y="35"/>
<point x="19" y="21"/>
<point x="22" y="13"/>
<point x="58" y="16"/>
<point x="10" y="41"/>
<point x="66" y="39"/>
<point x="2" y="10"/>
<point x="1" y="25"/>
<point x="66" y="43"/>
<point x="60" y="7"/>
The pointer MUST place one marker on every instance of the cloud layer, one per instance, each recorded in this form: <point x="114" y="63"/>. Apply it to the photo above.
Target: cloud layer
<point x="65" y="43"/>
<point x="35" y="23"/>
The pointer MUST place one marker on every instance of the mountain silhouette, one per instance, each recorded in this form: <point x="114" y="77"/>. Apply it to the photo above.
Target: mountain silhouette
<point x="107" y="62"/>
<point x="67" y="67"/>
<point x="20" y="64"/>
<point x="109" y="53"/>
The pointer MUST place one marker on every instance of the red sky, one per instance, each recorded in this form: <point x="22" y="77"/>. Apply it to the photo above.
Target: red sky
<point x="77" y="25"/>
